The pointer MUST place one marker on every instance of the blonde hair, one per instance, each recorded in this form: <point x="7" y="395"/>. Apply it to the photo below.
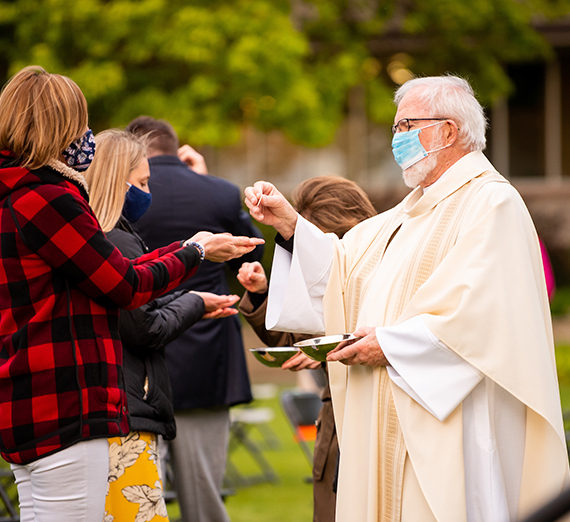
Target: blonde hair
<point x="41" y="114"/>
<point x="118" y="153"/>
<point x="332" y="204"/>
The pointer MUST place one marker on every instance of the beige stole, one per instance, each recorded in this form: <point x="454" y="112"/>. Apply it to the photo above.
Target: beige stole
<point x="391" y="449"/>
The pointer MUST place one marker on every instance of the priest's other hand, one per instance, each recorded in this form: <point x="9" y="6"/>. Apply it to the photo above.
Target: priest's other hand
<point x="267" y="205"/>
<point x="365" y="351"/>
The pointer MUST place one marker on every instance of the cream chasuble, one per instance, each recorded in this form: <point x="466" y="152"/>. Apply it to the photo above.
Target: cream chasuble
<point x="461" y="262"/>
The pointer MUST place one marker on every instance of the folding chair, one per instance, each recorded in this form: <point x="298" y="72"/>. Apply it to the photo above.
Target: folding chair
<point x="8" y="497"/>
<point x="555" y="509"/>
<point x="243" y="420"/>
<point x="302" y="410"/>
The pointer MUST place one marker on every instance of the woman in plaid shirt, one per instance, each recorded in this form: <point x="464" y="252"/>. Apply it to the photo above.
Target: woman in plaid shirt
<point x="61" y="286"/>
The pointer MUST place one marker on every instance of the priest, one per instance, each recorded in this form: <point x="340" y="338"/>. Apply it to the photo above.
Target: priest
<point x="447" y="407"/>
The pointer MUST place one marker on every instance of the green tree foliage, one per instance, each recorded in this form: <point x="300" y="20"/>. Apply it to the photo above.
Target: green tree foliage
<point x="209" y="66"/>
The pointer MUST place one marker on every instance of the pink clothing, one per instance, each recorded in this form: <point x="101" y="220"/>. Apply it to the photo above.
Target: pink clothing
<point x="548" y="273"/>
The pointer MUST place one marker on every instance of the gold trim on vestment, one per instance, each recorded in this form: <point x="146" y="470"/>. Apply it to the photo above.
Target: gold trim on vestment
<point x="429" y="253"/>
<point x="437" y="243"/>
<point x="369" y="263"/>
<point x="391" y="454"/>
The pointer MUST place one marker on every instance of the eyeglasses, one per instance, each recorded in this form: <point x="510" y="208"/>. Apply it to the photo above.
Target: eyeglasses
<point x="404" y="124"/>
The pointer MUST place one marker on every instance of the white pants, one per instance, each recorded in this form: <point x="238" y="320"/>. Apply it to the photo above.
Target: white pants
<point x="69" y="485"/>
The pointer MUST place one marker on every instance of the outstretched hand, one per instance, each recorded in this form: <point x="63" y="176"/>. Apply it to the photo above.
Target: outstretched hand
<point x="218" y="306"/>
<point x="223" y="247"/>
<point x="267" y="205"/>
<point x="365" y="351"/>
<point x="252" y="277"/>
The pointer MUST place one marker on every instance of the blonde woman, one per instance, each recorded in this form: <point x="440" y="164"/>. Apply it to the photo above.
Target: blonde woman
<point x="61" y="286"/>
<point x="119" y="196"/>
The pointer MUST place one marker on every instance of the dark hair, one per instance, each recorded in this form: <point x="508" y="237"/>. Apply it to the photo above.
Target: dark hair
<point x="162" y="138"/>
<point x="333" y="204"/>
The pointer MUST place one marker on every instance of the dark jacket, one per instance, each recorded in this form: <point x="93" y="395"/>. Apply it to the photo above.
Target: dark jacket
<point x="206" y="364"/>
<point x="61" y="286"/>
<point x="144" y="334"/>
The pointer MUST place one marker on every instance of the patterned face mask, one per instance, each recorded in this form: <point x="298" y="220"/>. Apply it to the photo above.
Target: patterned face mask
<point x="79" y="154"/>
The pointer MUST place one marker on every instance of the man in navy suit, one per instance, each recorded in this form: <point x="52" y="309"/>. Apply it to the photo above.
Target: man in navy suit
<point x="206" y="364"/>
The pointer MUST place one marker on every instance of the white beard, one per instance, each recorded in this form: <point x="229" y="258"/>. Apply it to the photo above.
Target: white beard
<point x="419" y="171"/>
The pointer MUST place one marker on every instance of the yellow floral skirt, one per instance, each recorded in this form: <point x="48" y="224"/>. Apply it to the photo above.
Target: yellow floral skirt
<point x="134" y="489"/>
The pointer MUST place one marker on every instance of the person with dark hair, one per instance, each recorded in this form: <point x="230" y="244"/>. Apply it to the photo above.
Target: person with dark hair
<point x="161" y="135"/>
<point x="62" y="284"/>
<point x="206" y="363"/>
<point x="335" y="205"/>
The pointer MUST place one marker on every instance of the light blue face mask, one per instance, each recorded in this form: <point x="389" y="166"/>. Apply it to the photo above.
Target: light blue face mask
<point x="408" y="149"/>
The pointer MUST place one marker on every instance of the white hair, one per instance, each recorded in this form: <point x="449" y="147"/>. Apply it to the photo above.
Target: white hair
<point x="450" y="97"/>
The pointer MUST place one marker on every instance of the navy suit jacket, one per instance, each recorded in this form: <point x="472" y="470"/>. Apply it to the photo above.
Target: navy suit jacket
<point x="207" y="363"/>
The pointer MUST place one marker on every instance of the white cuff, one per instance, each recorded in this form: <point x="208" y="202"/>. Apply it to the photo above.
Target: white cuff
<point x="298" y="282"/>
<point x="425" y="368"/>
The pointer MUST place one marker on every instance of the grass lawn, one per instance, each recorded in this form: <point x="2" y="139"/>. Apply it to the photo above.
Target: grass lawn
<point x="290" y="499"/>
<point x="565" y="396"/>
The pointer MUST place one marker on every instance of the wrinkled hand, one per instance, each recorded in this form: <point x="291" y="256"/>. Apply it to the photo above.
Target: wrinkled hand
<point x="267" y="205"/>
<point x="193" y="159"/>
<point x="365" y="351"/>
<point x="218" y="306"/>
<point x="252" y="277"/>
<point x="300" y="361"/>
<point x="223" y="247"/>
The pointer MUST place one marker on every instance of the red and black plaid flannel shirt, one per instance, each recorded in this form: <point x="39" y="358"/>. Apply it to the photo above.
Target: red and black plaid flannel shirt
<point x="61" y="286"/>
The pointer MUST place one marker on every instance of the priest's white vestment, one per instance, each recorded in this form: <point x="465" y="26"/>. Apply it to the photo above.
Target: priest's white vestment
<point x="465" y="424"/>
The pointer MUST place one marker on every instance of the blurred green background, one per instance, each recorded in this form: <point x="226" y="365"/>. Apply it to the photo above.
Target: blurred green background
<point x="212" y="66"/>
<point x="216" y="67"/>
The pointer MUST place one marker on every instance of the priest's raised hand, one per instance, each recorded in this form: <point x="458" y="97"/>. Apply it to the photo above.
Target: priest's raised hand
<point x="267" y="205"/>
